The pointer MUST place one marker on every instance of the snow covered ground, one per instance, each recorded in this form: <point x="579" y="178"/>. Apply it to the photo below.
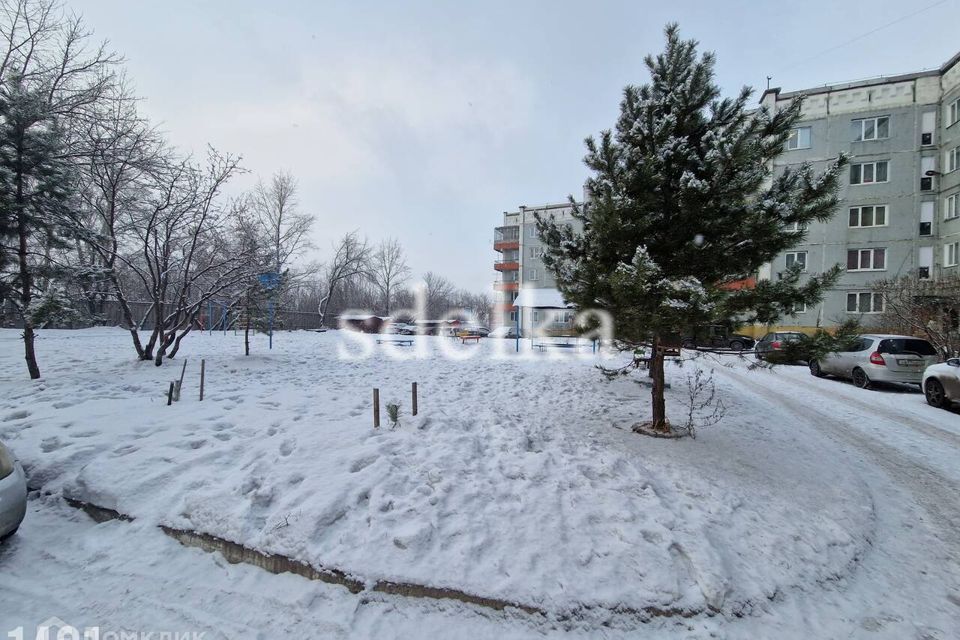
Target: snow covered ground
<point x="813" y="509"/>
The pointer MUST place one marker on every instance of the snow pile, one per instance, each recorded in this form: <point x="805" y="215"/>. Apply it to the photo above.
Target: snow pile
<point x="520" y="479"/>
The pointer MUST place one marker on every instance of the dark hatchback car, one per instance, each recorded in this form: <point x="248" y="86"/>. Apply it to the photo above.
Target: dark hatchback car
<point x="775" y="341"/>
<point x="716" y="336"/>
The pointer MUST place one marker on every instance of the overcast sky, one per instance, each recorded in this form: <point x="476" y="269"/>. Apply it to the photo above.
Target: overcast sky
<point x="426" y="120"/>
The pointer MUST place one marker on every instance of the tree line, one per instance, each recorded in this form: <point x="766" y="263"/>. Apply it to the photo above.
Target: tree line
<point x="97" y="207"/>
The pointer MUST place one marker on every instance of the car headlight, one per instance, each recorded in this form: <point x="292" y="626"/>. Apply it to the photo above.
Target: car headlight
<point x="6" y="462"/>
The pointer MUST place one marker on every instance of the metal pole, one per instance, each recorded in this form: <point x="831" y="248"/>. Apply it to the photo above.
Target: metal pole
<point x="210" y="317"/>
<point x="518" y="329"/>
<point x="270" y="305"/>
<point x="376" y="408"/>
<point x="414" y="405"/>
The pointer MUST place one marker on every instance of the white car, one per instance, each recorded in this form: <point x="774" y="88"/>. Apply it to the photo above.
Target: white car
<point x="13" y="493"/>
<point x="879" y="357"/>
<point x="941" y="383"/>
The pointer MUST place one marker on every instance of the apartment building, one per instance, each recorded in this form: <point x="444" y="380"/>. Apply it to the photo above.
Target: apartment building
<point x="900" y="197"/>
<point x="526" y="294"/>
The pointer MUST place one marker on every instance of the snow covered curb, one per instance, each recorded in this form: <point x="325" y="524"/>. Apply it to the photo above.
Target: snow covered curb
<point x="235" y="553"/>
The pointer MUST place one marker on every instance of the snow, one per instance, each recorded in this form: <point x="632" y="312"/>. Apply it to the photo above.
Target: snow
<point x="519" y="480"/>
<point x="541" y="298"/>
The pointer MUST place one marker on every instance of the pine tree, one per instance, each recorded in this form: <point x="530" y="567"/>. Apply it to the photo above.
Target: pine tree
<point x="683" y="203"/>
<point x="35" y="189"/>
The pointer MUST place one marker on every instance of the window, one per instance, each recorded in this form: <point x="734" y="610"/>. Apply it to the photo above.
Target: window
<point x="953" y="112"/>
<point x="868" y="216"/>
<point x="793" y="227"/>
<point x="532" y="231"/>
<point x="536" y="316"/>
<point x="952" y="162"/>
<point x="533" y="274"/>
<point x="513" y="316"/>
<point x="950" y="252"/>
<point x="794" y="309"/>
<point x="866" y="259"/>
<point x="951" y="207"/>
<point x="871" y="128"/>
<point x="864" y="302"/>
<point x="799" y="139"/>
<point x="869" y="172"/>
<point x="797" y="258"/>
<point x="535" y="252"/>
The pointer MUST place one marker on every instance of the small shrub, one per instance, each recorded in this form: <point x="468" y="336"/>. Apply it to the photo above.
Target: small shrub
<point x="393" y="414"/>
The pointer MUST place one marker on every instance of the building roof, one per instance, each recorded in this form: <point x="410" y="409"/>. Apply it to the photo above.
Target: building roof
<point x="541" y="299"/>
<point x="866" y="82"/>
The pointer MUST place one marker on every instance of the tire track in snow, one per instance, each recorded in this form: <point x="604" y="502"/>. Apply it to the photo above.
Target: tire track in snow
<point x="887" y="413"/>
<point x="931" y="490"/>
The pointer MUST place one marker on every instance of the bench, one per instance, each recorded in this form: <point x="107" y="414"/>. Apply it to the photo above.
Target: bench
<point x="463" y="339"/>
<point x="555" y="345"/>
<point x="403" y="342"/>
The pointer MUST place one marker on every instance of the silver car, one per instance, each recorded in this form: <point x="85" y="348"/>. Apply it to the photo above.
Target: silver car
<point x="941" y="383"/>
<point x="879" y="358"/>
<point x="13" y="493"/>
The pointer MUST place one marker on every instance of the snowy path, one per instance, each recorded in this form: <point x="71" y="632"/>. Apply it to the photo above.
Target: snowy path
<point x="920" y="548"/>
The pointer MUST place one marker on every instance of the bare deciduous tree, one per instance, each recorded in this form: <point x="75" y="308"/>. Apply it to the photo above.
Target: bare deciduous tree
<point x="926" y="308"/>
<point x="388" y="270"/>
<point x="275" y="203"/>
<point x="351" y="258"/>
<point x="438" y="291"/>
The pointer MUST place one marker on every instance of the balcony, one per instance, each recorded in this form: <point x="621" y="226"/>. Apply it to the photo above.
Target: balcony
<point x="506" y="238"/>
<point x="509" y="264"/>
<point x="506" y="285"/>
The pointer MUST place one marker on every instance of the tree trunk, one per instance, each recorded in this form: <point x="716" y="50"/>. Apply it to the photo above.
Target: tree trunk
<point x="127" y="316"/>
<point x="246" y="335"/>
<point x="26" y="286"/>
<point x="181" y="336"/>
<point x="659" y="420"/>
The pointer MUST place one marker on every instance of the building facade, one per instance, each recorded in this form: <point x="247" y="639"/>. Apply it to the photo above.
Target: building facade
<point x="521" y="271"/>
<point x="900" y="195"/>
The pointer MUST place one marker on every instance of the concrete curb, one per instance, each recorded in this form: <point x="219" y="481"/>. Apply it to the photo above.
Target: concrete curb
<point x="235" y="553"/>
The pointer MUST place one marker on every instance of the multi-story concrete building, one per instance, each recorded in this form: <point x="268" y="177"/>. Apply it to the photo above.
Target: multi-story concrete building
<point x="526" y="293"/>
<point x="900" y="195"/>
<point x="900" y="199"/>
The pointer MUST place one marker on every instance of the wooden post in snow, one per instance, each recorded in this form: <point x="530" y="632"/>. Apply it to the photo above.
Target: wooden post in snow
<point x="376" y="408"/>
<point x="203" y="364"/>
<point x="413" y="404"/>
<point x="179" y="385"/>
<point x="170" y="393"/>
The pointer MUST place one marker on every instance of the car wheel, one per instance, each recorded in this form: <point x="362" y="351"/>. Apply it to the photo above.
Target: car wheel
<point x="736" y="345"/>
<point x="936" y="397"/>
<point x="860" y="378"/>
<point x="815" y="369"/>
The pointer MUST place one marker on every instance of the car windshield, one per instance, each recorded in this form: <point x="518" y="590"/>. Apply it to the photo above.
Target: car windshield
<point x="913" y="346"/>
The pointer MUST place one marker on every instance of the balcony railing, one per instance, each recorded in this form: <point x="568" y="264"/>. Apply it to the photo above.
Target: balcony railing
<point x="506" y="285"/>
<point x="507" y="264"/>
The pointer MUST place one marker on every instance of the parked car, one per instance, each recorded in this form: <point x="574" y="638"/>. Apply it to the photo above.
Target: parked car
<point x="716" y="336"/>
<point x="775" y="341"/>
<point x="13" y="493"/>
<point x="504" y="332"/>
<point x="483" y="332"/>
<point x="941" y="383"/>
<point x="400" y="328"/>
<point x="879" y="358"/>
